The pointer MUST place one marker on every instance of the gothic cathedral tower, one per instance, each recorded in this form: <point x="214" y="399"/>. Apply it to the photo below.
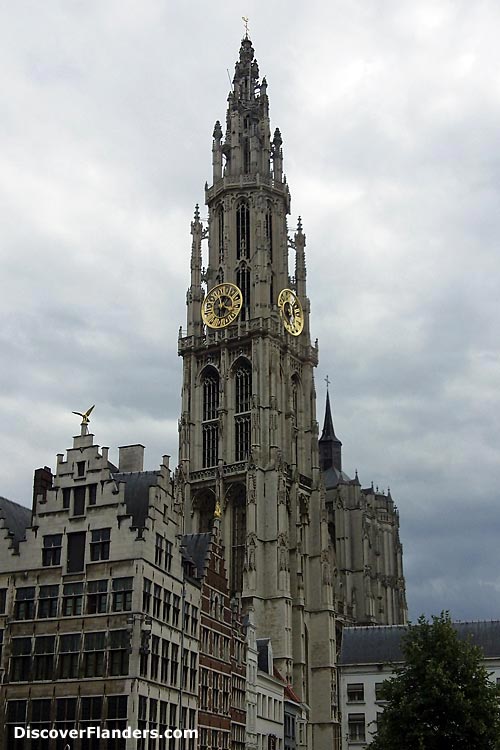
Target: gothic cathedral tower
<point x="248" y="431"/>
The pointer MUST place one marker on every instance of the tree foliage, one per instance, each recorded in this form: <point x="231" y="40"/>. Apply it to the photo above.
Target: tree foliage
<point x="441" y="698"/>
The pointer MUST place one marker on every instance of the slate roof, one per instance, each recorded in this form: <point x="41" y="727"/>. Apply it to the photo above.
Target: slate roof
<point x="196" y="549"/>
<point x="137" y="484"/>
<point x="17" y="518"/>
<point x="332" y="477"/>
<point x="382" y="644"/>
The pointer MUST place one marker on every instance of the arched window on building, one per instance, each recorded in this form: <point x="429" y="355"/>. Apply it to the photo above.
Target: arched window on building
<point x="295" y="385"/>
<point x="204" y="506"/>
<point x="243" y="230"/>
<point x="243" y="281"/>
<point x="220" y="232"/>
<point x="242" y="419"/>
<point x="210" y="423"/>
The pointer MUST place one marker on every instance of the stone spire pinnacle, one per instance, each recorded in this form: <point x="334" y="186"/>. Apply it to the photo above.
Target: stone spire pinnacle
<point x="330" y="447"/>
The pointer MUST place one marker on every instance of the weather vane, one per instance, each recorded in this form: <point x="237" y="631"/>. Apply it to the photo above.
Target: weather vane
<point x="85" y="419"/>
<point x="245" y="21"/>
<point x="327" y="381"/>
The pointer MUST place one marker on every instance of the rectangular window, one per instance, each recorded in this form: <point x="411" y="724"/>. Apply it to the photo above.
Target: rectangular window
<point x="174" y="664"/>
<point x="356" y="727"/>
<point x="176" y="608"/>
<point x="156" y="601"/>
<point x="66" y="495"/>
<point x="355" y="692"/>
<point x="168" y="556"/>
<point x="146" y="595"/>
<point x="122" y="594"/>
<point x="65" y="718"/>
<point x="40" y="719"/>
<point x="25" y="603"/>
<point x="204" y="689"/>
<point x="43" y="661"/>
<point x="97" y="597"/>
<point x="92" y="494"/>
<point x="99" y="544"/>
<point x="91" y="713"/>
<point x="166" y="605"/>
<point x="185" y="667"/>
<point x="76" y="552"/>
<point x="80" y="468"/>
<point x="72" y="599"/>
<point x="210" y="432"/>
<point x="194" y="621"/>
<point x="159" y="550"/>
<point x="242" y="430"/>
<point x="1" y="645"/>
<point x="51" y="552"/>
<point x="20" y="661"/>
<point x="3" y="600"/>
<point x="79" y="501"/>
<point x="69" y="653"/>
<point x="155" y="657"/>
<point x="117" y="719"/>
<point x="47" y="601"/>
<point x="164" y="660"/>
<point x="192" y="672"/>
<point x="119" y="645"/>
<point x="93" y="656"/>
<point x="378" y="688"/>
<point x="16" y="716"/>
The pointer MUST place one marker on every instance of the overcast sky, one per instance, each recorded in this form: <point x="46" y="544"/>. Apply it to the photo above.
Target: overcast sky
<point x="390" y="115"/>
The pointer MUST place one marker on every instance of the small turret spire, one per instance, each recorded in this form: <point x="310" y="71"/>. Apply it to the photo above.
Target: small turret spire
<point x="330" y="447"/>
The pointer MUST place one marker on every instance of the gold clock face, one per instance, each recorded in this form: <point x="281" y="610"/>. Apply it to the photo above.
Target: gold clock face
<point x="222" y="305"/>
<point x="291" y="312"/>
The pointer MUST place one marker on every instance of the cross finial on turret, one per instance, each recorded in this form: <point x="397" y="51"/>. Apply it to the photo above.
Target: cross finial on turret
<point x="327" y="381"/>
<point x="197" y="213"/>
<point x="245" y="21"/>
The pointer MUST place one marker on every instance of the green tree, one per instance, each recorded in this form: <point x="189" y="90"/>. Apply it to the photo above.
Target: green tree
<point x="441" y="698"/>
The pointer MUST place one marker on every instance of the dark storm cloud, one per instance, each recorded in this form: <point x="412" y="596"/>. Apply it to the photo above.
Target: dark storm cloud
<point x="389" y="115"/>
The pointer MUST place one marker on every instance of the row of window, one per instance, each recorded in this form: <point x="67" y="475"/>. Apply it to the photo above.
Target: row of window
<point x="356" y="692"/>
<point x="215" y="644"/>
<point x="242" y="420"/>
<point x="159" y="660"/>
<point x="161" y="715"/>
<point x="75" y="547"/>
<point x="269" y="708"/>
<point x="165" y="606"/>
<point x="70" y="656"/>
<point x="99" y="599"/>
<point x="76" y="498"/>
<point x="215" y="691"/>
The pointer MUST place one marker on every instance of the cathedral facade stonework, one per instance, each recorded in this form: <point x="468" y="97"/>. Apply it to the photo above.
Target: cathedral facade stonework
<point x="307" y="548"/>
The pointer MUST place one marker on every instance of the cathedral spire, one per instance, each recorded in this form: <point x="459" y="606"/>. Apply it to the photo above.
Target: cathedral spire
<point x="330" y="447"/>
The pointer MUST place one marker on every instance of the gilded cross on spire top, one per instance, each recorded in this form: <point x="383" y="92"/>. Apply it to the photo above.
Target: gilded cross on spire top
<point x="327" y="381"/>
<point x="245" y="21"/>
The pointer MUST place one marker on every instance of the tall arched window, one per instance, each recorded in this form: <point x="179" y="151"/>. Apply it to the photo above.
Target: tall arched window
<point x="269" y="230"/>
<point x="220" y="232"/>
<point x="296" y="416"/>
<point x="243" y="281"/>
<point x="243" y="393"/>
<point x="243" y="230"/>
<point x="210" y="425"/>
<point x="238" y="539"/>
